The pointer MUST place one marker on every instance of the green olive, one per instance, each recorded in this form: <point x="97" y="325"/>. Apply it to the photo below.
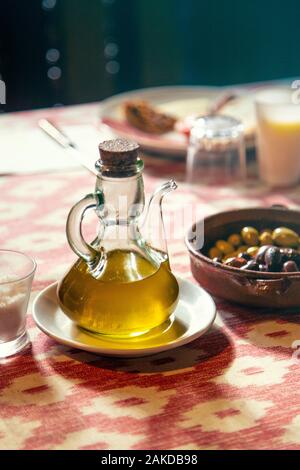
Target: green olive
<point x="233" y="254"/>
<point x="214" y="252"/>
<point x="283" y="236"/>
<point x="224" y="246"/>
<point x="235" y="262"/>
<point x="265" y="238"/>
<point x="252" y="250"/>
<point x="250" y="236"/>
<point x="235" y="239"/>
<point x="242" y="249"/>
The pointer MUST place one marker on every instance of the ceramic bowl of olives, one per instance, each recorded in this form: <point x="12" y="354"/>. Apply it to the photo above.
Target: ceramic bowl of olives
<point x="249" y="256"/>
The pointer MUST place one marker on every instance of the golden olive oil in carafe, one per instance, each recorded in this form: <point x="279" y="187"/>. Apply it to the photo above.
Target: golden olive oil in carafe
<point x="121" y="286"/>
<point x="130" y="297"/>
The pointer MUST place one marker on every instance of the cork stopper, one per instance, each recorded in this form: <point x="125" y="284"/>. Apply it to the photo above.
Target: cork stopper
<point x="118" y="153"/>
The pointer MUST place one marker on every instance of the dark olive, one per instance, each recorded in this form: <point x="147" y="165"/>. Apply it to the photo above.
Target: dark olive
<point x="273" y="259"/>
<point x="245" y="256"/>
<point x="260" y="255"/>
<point x="251" y="265"/>
<point x="289" y="254"/>
<point x="290" y="267"/>
<point x="263" y="268"/>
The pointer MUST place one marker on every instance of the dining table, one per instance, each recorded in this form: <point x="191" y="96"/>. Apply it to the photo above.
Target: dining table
<point x="236" y="387"/>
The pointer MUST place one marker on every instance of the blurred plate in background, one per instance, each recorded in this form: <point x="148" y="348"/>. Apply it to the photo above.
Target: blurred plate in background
<point x="180" y="102"/>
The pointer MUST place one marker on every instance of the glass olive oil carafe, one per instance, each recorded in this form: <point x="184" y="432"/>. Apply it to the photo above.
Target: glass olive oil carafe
<point x="121" y="285"/>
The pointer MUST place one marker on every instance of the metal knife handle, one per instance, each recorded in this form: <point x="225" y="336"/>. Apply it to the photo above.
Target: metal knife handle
<point x="55" y="133"/>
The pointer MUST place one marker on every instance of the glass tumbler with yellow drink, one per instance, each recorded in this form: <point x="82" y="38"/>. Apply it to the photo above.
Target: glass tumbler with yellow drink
<point x="278" y="136"/>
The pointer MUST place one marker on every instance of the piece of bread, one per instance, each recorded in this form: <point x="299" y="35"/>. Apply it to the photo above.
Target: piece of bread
<point x="143" y="116"/>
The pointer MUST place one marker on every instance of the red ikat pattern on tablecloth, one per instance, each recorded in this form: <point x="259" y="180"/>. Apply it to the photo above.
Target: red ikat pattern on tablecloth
<point x="237" y="387"/>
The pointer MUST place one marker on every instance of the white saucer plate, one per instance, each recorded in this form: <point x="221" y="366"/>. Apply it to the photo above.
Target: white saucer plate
<point x="194" y="315"/>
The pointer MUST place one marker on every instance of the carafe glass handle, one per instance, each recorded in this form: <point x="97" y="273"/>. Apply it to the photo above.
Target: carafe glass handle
<point x="95" y="259"/>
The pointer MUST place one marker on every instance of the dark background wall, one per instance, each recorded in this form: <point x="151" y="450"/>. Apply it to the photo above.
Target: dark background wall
<point x="72" y="51"/>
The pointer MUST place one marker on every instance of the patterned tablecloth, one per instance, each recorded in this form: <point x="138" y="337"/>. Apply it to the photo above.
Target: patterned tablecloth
<point x="237" y="387"/>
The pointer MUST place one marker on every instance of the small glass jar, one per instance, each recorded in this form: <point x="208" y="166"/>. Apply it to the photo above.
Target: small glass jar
<point x="216" y="151"/>
<point x="16" y="276"/>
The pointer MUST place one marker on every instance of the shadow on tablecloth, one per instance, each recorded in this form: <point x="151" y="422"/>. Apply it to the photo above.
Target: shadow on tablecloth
<point x="202" y="351"/>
